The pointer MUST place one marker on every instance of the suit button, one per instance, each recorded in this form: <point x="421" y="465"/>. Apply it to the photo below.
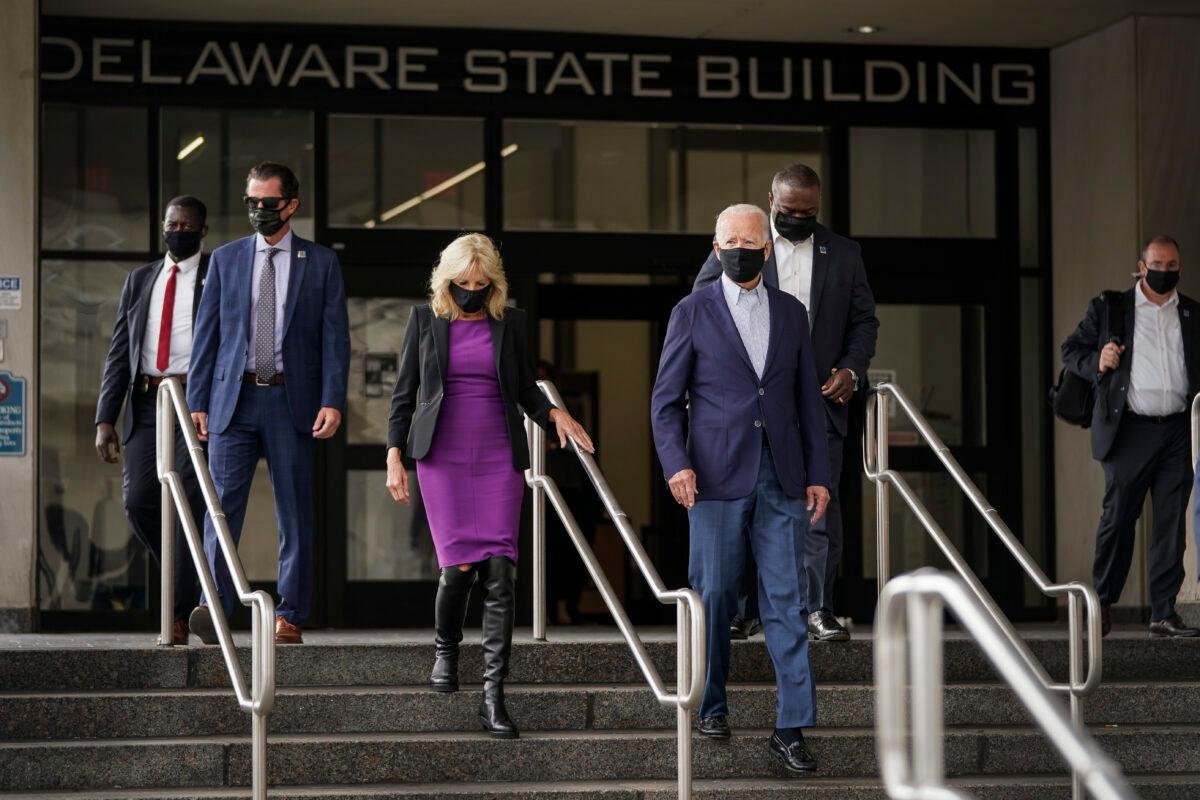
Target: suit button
<point x="761" y="392"/>
<point x="758" y="423"/>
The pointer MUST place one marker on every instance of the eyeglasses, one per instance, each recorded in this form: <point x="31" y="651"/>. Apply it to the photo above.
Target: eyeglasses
<point x="269" y="203"/>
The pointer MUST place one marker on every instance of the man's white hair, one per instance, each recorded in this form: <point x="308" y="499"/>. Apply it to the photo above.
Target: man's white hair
<point x="742" y="210"/>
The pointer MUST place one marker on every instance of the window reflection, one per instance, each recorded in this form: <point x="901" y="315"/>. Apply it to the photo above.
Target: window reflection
<point x="922" y="182"/>
<point x="208" y="153"/>
<point x="95" y="185"/>
<point x="87" y="556"/>
<point x="406" y="172"/>
<point x="599" y="176"/>
<point x="386" y="540"/>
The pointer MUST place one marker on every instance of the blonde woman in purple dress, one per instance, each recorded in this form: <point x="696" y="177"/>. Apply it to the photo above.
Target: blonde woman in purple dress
<point x="466" y="379"/>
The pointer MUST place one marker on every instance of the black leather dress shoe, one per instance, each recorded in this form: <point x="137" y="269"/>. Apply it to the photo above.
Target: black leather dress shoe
<point x="824" y="627"/>
<point x="1105" y="619"/>
<point x="795" y="756"/>
<point x="744" y="628"/>
<point x="713" y="727"/>
<point x="1171" y="627"/>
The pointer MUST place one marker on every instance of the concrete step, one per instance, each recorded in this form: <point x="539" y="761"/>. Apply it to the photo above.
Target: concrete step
<point x="403" y="658"/>
<point x="550" y="707"/>
<point x="301" y="759"/>
<point x="1005" y="787"/>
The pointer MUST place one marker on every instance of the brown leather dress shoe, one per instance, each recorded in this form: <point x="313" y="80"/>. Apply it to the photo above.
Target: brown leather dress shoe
<point x="179" y="632"/>
<point x="1171" y="627"/>
<point x="286" y="632"/>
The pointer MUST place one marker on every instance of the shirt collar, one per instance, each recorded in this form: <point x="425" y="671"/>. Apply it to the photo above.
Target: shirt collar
<point x="189" y="264"/>
<point x="1141" y="299"/>
<point x="285" y="244"/>
<point x="733" y="292"/>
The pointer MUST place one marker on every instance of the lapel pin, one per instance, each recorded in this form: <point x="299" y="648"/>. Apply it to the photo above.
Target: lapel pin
<point x="1187" y="313"/>
<point x="822" y="248"/>
<point x="300" y="254"/>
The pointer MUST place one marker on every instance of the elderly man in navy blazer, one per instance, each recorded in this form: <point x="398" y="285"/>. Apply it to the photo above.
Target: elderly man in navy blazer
<point x="825" y="272"/>
<point x="739" y="425"/>
<point x="268" y="377"/>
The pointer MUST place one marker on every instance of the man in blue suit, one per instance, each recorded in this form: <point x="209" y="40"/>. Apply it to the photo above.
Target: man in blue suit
<point x="268" y="376"/>
<point x="825" y="272"/>
<point x="739" y="425"/>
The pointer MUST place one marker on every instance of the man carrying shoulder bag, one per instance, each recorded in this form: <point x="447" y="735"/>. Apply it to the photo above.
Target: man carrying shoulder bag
<point x="1144" y="383"/>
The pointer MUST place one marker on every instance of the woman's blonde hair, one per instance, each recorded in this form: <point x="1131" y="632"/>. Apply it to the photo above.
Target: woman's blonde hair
<point x="454" y="262"/>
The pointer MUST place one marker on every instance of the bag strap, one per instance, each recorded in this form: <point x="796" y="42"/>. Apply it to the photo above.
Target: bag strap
<point x="1114" y="302"/>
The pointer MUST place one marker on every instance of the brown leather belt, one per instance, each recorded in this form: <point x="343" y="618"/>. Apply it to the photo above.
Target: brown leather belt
<point x="276" y="379"/>
<point x="145" y="382"/>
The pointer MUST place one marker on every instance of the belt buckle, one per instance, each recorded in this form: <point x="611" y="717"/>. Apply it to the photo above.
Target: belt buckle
<point x="260" y="382"/>
<point x="145" y="383"/>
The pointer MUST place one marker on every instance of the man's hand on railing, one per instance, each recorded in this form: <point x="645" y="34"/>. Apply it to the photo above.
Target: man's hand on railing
<point x="818" y="499"/>
<point x="200" y="420"/>
<point x="683" y="487"/>
<point x="566" y="426"/>
<point x="397" y="476"/>
<point x="108" y="444"/>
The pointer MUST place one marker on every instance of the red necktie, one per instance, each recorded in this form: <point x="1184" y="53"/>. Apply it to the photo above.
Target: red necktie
<point x="164" y="329"/>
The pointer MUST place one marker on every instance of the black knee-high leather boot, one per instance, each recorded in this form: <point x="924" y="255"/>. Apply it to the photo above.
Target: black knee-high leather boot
<point x="499" y="609"/>
<point x="449" y="613"/>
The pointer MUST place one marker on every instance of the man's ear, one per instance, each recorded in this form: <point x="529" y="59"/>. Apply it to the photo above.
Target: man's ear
<point x="716" y="249"/>
<point x="767" y="251"/>
<point x="203" y="231"/>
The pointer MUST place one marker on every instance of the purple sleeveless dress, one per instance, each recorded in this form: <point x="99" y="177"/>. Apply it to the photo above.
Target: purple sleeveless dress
<point x="471" y="490"/>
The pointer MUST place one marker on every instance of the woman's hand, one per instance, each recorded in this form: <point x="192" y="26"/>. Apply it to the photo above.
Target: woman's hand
<point x="397" y="477"/>
<point x="566" y="426"/>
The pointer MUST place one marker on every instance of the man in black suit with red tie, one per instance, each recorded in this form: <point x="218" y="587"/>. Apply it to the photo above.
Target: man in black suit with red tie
<point x="152" y="341"/>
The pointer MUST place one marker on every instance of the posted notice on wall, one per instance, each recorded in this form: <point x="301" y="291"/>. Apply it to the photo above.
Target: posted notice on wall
<point x="10" y="293"/>
<point x="12" y="415"/>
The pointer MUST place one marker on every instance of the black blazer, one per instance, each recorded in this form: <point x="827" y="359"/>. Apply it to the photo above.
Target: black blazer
<point x="842" y="317"/>
<point x="1081" y="355"/>
<point x="124" y="361"/>
<point x="417" y="398"/>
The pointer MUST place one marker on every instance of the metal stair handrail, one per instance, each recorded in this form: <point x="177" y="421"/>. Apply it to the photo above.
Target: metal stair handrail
<point x="690" y="635"/>
<point x="918" y="598"/>
<point x="1079" y="595"/>
<point x="260" y="699"/>
<point x="1195" y="429"/>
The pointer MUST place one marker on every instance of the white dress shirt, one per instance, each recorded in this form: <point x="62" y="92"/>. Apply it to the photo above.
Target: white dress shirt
<point x="283" y="268"/>
<point x="1158" y="383"/>
<point x="794" y="263"/>
<point x="751" y="312"/>
<point x="181" y="317"/>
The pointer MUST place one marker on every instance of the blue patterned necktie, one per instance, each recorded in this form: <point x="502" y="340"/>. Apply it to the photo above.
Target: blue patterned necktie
<point x="264" y="321"/>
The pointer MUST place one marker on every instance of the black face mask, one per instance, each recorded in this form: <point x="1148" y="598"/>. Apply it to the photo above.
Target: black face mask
<point x="470" y="300"/>
<point x="182" y="244"/>
<point x="742" y="264"/>
<point x="795" y="229"/>
<point x="1161" y="280"/>
<point x="267" y="221"/>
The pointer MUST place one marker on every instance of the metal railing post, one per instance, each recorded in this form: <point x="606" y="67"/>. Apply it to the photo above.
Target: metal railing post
<point x="1195" y="430"/>
<point x="925" y="656"/>
<point x="883" y="519"/>
<point x="260" y="699"/>
<point x="683" y="715"/>
<point x="537" y="467"/>
<point x="166" y="447"/>
<point x="1075" y="675"/>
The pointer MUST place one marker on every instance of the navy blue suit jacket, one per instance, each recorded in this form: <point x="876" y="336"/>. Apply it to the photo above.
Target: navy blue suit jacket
<point x="316" y="336"/>
<point x="844" y="326"/>
<point x="707" y="399"/>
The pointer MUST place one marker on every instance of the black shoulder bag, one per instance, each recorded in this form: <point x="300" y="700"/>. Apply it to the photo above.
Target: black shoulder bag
<point x="1072" y="397"/>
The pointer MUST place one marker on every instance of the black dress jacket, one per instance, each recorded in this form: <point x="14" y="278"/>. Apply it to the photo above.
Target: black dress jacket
<point x="1081" y="355"/>
<point x="124" y="362"/>
<point x="417" y="398"/>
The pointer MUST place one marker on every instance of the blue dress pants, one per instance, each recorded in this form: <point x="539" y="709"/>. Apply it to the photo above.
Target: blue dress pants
<point x="772" y="527"/>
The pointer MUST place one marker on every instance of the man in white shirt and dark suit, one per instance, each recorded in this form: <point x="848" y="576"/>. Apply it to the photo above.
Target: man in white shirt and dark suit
<point x="1145" y="383"/>
<point x="151" y="341"/>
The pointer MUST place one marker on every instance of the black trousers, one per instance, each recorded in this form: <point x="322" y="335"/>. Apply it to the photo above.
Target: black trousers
<point x="143" y="498"/>
<point x="823" y="545"/>
<point x="1152" y="456"/>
